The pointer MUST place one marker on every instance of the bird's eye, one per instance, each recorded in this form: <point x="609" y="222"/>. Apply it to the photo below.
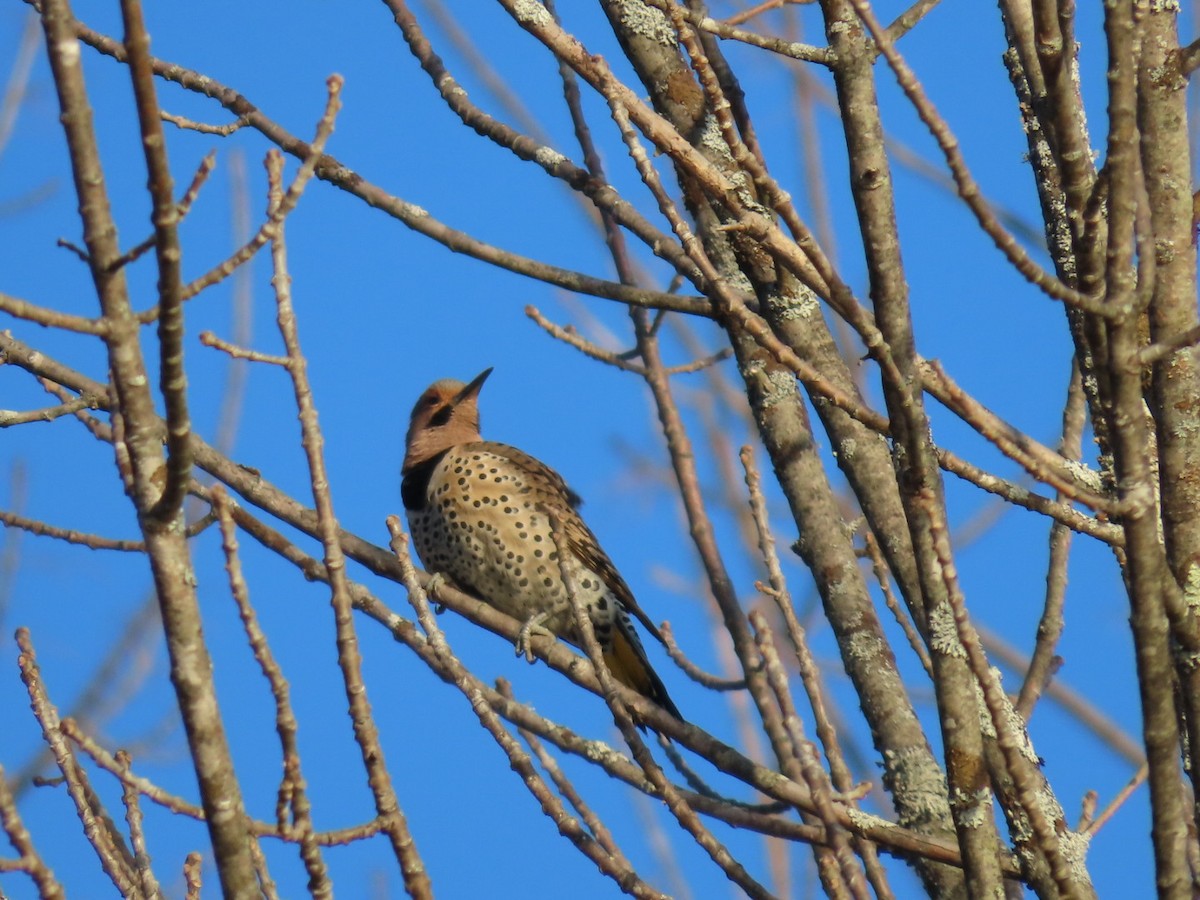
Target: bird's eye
<point x="441" y="417"/>
<point x="430" y="400"/>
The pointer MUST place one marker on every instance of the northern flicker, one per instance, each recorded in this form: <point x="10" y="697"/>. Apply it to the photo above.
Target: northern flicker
<point x="478" y="515"/>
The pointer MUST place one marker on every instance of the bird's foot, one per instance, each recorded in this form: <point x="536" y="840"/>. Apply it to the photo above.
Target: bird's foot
<point x="435" y="583"/>
<point x="531" y="629"/>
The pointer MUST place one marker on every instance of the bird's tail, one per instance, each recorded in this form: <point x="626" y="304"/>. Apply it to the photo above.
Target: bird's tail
<point x="627" y="661"/>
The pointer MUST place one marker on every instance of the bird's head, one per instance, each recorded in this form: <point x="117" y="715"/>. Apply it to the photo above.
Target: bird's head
<point x="446" y="414"/>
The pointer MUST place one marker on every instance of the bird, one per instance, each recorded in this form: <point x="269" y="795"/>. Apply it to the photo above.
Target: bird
<point x="483" y="516"/>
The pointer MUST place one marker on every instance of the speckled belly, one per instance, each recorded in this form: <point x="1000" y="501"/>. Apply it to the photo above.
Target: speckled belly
<point x="482" y="528"/>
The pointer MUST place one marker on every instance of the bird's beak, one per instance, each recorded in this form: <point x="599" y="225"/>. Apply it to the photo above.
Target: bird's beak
<point x="472" y="389"/>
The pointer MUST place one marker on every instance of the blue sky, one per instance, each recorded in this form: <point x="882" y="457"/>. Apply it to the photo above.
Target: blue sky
<point x="383" y="312"/>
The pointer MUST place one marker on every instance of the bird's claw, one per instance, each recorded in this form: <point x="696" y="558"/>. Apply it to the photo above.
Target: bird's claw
<point x="435" y="583"/>
<point x="531" y="629"/>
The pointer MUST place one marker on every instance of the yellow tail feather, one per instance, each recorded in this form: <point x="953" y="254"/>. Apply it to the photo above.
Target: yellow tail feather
<point x="628" y="664"/>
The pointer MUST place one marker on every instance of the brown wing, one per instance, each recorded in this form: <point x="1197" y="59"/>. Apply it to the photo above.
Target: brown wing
<point x="553" y="490"/>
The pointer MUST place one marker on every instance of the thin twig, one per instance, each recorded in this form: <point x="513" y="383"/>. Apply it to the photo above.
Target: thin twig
<point x="572" y="338"/>
<point x="1074" y="480"/>
<point x="183" y="207"/>
<point x="727" y="30"/>
<point x="1021" y="496"/>
<point x="1098" y="822"/>
<point x="1041" y="662"/>
<point x="137" y="836"/>
<point x="41" y="315"/>
<point x="293" y="791"/>
<point x="366" y="734"/>
<point x="10" y="417"/>
<point x="114" y="856"/>
<point x="547" y="761"/>
<point x="902" y="616"/>
<point x="208" y="339"/>
<point x="274" y="221"/>
<point x="907" y="20"/>
<point x="700" y="364"/>
<point x="1153" y="353"/>
<point x="693" y="671"/>
<point x="18" y="835"/>
<point x="203" y="128"/>
<point x="83" y="538"/>
<point x="179" y="806"/>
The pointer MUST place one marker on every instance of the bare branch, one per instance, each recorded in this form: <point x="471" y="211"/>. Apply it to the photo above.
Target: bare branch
<point x="387" y="806"/>
<point x="967" y="187"/>
<point x="50" y="318"/>
<point x="18" y="835"/>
